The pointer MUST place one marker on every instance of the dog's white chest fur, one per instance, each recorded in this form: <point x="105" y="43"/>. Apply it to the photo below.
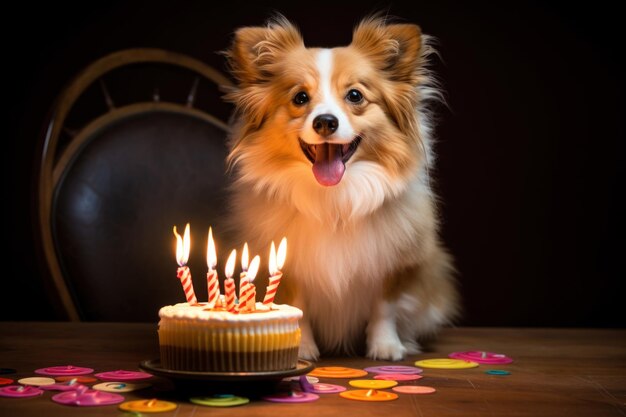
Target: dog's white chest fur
<point x="339" y="265"/>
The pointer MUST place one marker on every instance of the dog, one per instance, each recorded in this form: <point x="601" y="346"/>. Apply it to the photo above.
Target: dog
<point x="332" y="148"/>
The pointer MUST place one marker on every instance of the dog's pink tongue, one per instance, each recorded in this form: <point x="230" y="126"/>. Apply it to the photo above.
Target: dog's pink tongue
<point x="328" y="167"/>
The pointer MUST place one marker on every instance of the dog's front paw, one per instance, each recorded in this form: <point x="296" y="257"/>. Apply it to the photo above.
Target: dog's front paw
<point x="383" y="341"/>
<point x="308" y="350"/>
<point x="390" y="349"/>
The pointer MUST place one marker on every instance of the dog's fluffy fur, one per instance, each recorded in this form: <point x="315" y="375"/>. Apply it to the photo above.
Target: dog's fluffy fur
<point x="364" y="259"/>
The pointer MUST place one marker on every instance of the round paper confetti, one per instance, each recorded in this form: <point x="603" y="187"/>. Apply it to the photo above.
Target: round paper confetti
<point x="321" y="388"/>
<point x="337" y="372"/>
<point x="309" y="378"/>
<point x="497" y="372"/>
<point x="368" y="395"/>
<point x="4" y="371"/>
<point x="36" y="381"/>
<point x="220" y="401"/>
<point x="63" y="386"/>
<point x="445" y="363"/>
<point x="19" y="391"/>
<point x="318" y="388"/>
<point x="372" y="383"/>
<point x="122" y="375"/>
<point x="292" y="397"/>
<point x="398" y="377"/>
<point x="4" y="381"/>
<point x="120" y="386"/>
<point x="64" y="370"/>
<point x="414" y="389"/>
<point x="148" y="406"/>
<point x="79" y="378"/>
<point x="87" y="398"/>
<point x="482" y="357"/>
<point x="394" y="369"/>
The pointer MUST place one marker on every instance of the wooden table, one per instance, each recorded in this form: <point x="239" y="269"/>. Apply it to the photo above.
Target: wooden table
<point x="556" y="372"/>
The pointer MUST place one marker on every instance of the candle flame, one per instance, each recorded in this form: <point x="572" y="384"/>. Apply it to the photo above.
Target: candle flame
<point x="182" y="246"/>
<point x="254" y="268"/>
<point x="282" y="254"/>
<point x="244" y="257"/>
<point x="211" y="255"/>
<point x="277" y="261"/>
<point x="272" y="262"/>
<point x="230" y="264"/>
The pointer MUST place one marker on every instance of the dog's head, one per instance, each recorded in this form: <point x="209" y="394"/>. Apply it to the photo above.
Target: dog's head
<point x="342" y="125"/>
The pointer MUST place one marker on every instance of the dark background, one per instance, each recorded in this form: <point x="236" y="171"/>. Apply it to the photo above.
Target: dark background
<point x="531" y="148"/>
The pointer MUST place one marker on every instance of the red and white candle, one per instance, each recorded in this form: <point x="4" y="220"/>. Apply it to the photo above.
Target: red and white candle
<point x="183" y="273"/>
<point x="249" y="300"/>
<point x="276" y="263"/>
<point x="213" y="283"/>
<point x="229" y="282"/>
<point x="243" y="276"/>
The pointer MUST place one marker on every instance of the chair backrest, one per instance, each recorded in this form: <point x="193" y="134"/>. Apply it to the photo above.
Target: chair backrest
<point x="110" y="191"/>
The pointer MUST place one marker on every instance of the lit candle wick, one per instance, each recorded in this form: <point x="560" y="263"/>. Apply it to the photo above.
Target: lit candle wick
<point x="244" y="258"/>
<point x="212" y="281"/>
<point x="276" y="262"/>
<point x="151" y="403"/>
<point x="182" y="256"/>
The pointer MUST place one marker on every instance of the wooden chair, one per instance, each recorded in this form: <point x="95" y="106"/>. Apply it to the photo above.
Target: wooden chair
<point x="110" y="191"/>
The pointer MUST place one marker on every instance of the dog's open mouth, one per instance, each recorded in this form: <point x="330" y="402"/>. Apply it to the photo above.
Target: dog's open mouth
<point x="329" y="159"/>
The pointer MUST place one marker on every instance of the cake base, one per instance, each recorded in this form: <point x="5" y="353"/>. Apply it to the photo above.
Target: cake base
<point x="186" y="359"/>
<point x="194" y="337"/>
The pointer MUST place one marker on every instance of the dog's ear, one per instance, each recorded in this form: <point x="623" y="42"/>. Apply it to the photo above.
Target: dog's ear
<point x="256" y="50"/>
<point x="394" y="48"/>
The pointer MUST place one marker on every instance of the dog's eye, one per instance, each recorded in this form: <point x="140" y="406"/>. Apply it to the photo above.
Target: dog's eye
<point x="300" y="98"/>
<point x="354" y="96"/>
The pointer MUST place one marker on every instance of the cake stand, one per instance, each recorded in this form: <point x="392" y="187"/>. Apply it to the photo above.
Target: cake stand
<point x="249" y="383"/>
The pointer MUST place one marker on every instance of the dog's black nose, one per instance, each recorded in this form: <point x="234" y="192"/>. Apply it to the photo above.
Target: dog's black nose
<point x="325" y="124"/>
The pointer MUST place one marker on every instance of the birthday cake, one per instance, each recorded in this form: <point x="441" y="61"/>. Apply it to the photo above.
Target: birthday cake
<point x="193" y="337"/>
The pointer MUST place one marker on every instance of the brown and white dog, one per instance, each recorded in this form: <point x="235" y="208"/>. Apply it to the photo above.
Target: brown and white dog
<point x="331" y="148"/>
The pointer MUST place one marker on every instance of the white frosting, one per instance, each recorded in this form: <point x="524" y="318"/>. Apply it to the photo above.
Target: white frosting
<point x="201" y="329"/>
<point x="185" y="311"/>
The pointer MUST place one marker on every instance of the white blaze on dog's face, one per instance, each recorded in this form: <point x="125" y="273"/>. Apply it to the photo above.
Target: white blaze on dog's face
<point x="327" y="137"/>
<point x="317" y="118"/>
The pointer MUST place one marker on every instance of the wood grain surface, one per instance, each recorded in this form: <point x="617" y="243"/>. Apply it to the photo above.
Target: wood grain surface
<point x="556" y="372"/>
